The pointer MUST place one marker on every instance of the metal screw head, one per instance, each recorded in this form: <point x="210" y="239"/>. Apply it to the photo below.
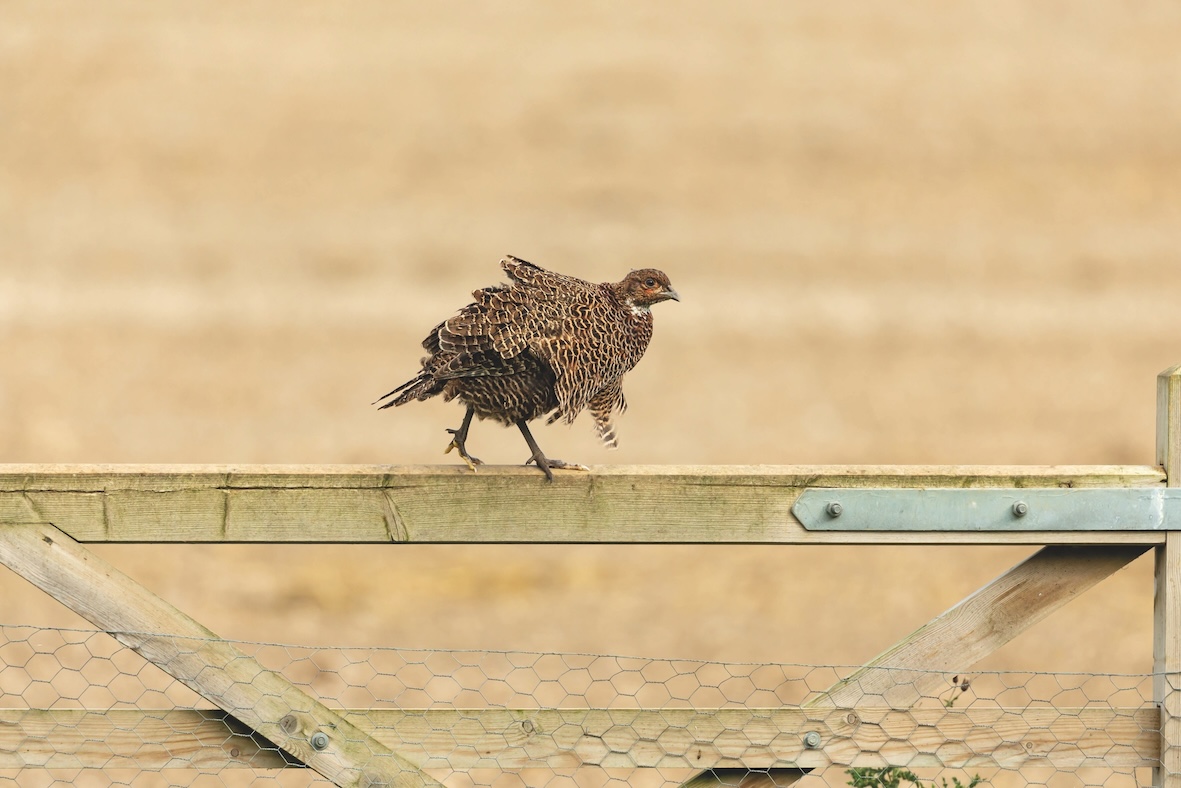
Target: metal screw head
<point x="1020" y="509"/>
<point x="319" y="741"/>
<point x="834" y="509"/>
<point x="812" y="740"/>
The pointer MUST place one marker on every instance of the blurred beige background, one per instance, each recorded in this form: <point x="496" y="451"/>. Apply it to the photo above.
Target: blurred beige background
<point x="929" y="233"/>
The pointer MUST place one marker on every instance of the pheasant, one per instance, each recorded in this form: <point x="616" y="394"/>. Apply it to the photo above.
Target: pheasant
<point x="543" y="344"/>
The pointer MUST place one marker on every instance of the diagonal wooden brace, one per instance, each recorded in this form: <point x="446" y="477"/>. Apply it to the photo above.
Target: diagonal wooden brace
<point x="274" y="707"/>
<point x="956" y="639"/>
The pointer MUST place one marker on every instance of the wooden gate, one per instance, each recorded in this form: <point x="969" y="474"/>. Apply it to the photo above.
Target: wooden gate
<point x="48" y="512"/>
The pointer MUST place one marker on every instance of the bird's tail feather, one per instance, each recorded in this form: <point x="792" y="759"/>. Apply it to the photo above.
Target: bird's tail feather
<point x="418" y="387"/>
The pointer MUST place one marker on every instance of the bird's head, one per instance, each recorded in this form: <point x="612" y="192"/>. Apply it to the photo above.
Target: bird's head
<point x="647" y="286"/>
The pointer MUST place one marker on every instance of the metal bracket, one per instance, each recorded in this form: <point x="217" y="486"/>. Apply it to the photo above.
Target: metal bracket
<point x="1024" y="509"/>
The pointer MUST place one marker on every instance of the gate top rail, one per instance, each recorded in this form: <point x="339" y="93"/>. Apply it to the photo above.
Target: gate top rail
<point x="450" y="504"/>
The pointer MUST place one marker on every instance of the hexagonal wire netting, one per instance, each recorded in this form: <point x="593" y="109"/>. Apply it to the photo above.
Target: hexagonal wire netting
<point x="103" y="715"/>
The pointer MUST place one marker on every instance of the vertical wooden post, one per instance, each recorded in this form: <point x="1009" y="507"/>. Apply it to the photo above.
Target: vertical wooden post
<point x="1166" y="641"/>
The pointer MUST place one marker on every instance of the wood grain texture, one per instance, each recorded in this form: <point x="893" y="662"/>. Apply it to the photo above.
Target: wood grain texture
<point x="513" y="739"/>
<point x="189" y="652"/>
<point x="143" y="739"/>
<point x="610" y="504"/>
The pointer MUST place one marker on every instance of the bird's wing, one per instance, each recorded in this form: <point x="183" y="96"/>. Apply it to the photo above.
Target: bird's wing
<point x="463" y="347"/>
<point x="486" y="337"/>
<point x="560" y="320"/>
<point x="567" y="323"/>
<point x="587" y="340"/>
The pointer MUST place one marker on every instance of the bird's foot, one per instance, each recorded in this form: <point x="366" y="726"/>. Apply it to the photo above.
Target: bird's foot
<point x="457" y="443"/>
<point x="545" y="464"/>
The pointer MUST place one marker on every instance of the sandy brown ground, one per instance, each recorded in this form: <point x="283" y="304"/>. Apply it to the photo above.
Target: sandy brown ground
<point x="944" y="233"/>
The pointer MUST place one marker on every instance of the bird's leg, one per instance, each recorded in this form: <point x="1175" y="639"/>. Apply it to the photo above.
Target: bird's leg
<point x="459" y="441"/>
<point x="542" y="461"/>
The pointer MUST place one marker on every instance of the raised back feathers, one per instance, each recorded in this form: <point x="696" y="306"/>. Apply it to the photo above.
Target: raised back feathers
<point x="545" y="343"/>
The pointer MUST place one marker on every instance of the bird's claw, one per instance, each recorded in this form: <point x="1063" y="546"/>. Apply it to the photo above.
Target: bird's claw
<point x="458" y="445"/>
<point x="545" y="463"/>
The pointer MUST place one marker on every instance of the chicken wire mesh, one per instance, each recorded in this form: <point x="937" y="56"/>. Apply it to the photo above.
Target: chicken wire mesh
<point x="79" y="708"/>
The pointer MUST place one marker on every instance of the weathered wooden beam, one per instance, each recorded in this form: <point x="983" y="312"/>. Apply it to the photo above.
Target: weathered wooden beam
<point x="981" y="623"/>
<point x="214" y="668"/>
<point x="959" y="637"/>
<point x="140" y="739"/>
<point x="510" y="739"/>
<point x="1166" y="642"/>
<point x="610" y="504"/>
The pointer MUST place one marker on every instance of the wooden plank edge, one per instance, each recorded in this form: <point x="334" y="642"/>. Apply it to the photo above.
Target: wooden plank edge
<point x="22" y="477"/>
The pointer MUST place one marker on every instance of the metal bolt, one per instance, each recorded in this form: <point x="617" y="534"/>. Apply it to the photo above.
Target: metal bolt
<point x="319" y="741"/>
<point x="1020" y="509"/>
<point x="812" y="740"/>
<point x="834" y="509"/>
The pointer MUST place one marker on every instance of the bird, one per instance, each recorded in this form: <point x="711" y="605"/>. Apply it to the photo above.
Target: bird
<point x="544" y="344"/>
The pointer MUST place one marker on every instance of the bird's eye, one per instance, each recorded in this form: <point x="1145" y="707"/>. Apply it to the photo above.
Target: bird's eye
<point x="649" y="282"/>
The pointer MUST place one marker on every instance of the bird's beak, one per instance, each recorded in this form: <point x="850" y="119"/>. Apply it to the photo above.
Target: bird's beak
<point x="670" y="293"/>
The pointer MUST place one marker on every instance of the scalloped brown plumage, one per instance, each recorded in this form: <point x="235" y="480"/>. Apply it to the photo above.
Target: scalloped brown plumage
<point x="545" y="343"/>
